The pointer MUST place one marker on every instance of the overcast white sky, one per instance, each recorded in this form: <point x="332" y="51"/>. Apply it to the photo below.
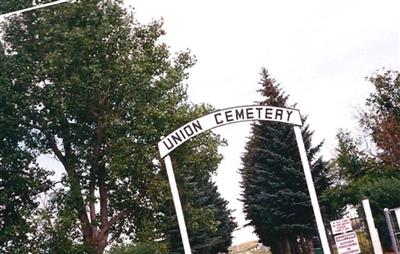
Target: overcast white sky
<point x="319" y="51"/>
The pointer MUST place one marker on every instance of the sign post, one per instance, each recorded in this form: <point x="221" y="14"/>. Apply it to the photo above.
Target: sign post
<point x="230" y="116"/>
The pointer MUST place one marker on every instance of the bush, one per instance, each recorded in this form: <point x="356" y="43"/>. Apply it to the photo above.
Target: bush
<point x="139" y="248"/>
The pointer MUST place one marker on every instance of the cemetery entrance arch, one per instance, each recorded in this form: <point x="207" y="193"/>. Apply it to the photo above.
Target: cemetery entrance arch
<point x="230" y="116"/>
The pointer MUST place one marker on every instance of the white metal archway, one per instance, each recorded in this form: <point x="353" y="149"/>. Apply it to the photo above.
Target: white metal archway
<point x="230" y="116"/>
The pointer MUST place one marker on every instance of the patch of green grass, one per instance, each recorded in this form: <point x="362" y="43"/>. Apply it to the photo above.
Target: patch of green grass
<point x="255" y="252"/>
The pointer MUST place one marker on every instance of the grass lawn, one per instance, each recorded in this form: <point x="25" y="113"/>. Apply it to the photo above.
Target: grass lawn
<point x="254" y="252"/>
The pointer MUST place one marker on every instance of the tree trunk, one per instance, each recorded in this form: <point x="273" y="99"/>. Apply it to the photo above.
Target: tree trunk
<point x="275" y="247"/>
<point x="100" y="244"/>
<point x="309" y="244"/>
<point x="295" y="247"/>
<point x="281" y="246"/>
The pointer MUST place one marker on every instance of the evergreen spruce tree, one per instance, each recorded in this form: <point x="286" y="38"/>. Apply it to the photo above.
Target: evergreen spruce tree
<point x="212" y="235"/>
<point x="225" y="224"/>
<point x="275" y="195"/>
<point x="209" y="221"/>
<point x="210" y="224"/>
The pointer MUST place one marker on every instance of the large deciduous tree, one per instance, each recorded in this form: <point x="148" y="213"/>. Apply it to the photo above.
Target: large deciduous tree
<point x="275" y="195"/>
<point x="382" y="117"/>
<point x="89" y="85"/>
<point x="359" y="175"/>
<point x="373" y="174"/>
<point x="21" y="180"/>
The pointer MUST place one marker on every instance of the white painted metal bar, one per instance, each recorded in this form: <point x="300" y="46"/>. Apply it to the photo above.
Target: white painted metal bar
<point x="311" y="189"/>
<point x="392" y="235"/>
<point x="178" y="205"/>
<point x="376" y="243"/>
<point x="34" y="8"/>
<point x="397" y="214"/>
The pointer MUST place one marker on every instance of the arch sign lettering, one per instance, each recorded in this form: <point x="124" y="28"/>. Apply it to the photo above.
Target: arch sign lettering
<point x="229" y="116"/>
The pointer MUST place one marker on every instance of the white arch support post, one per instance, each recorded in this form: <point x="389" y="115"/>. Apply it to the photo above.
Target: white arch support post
<point x="311" y="190"/>
<point x="177" y="204"/>
<point x="230" y="116"/>
<point x="35" y="7"/>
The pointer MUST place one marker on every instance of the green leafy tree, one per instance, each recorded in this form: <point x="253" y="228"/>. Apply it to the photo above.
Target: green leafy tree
<point x="10" y="6"/>
<point x="94" y="88"/>
<point x="351" y="162"/>
<point x="275" y="196"/>
<point x="359" y="176"/>
<point x="89" y="85"/>
<point x="21" y="180"/>
<point x="381" y="119"/>
<point x="373" y="175"/>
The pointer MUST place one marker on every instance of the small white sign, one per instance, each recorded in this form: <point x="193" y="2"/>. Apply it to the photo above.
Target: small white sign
<point x="341" y="226"/>
<point x="347" y="243"/>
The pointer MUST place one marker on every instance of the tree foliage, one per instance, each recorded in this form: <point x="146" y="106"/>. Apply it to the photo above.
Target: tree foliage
<point x="89" y="85"/>
<point x="208" y="219"/>
<point x="360" y="176"/>
<point x="21" y="179"/>
<point x="382" y="117"/>
<point x="374" y="174"/>
<point x="210" y="223"/>
<point x="140" y="248"/>
<point x="275" y="196"/>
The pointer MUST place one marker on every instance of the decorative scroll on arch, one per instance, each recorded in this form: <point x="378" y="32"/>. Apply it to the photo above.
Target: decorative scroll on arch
<point x="224" y="117"/>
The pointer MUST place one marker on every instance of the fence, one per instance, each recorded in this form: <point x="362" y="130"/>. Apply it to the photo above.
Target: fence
<point x="359" y="225"/>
